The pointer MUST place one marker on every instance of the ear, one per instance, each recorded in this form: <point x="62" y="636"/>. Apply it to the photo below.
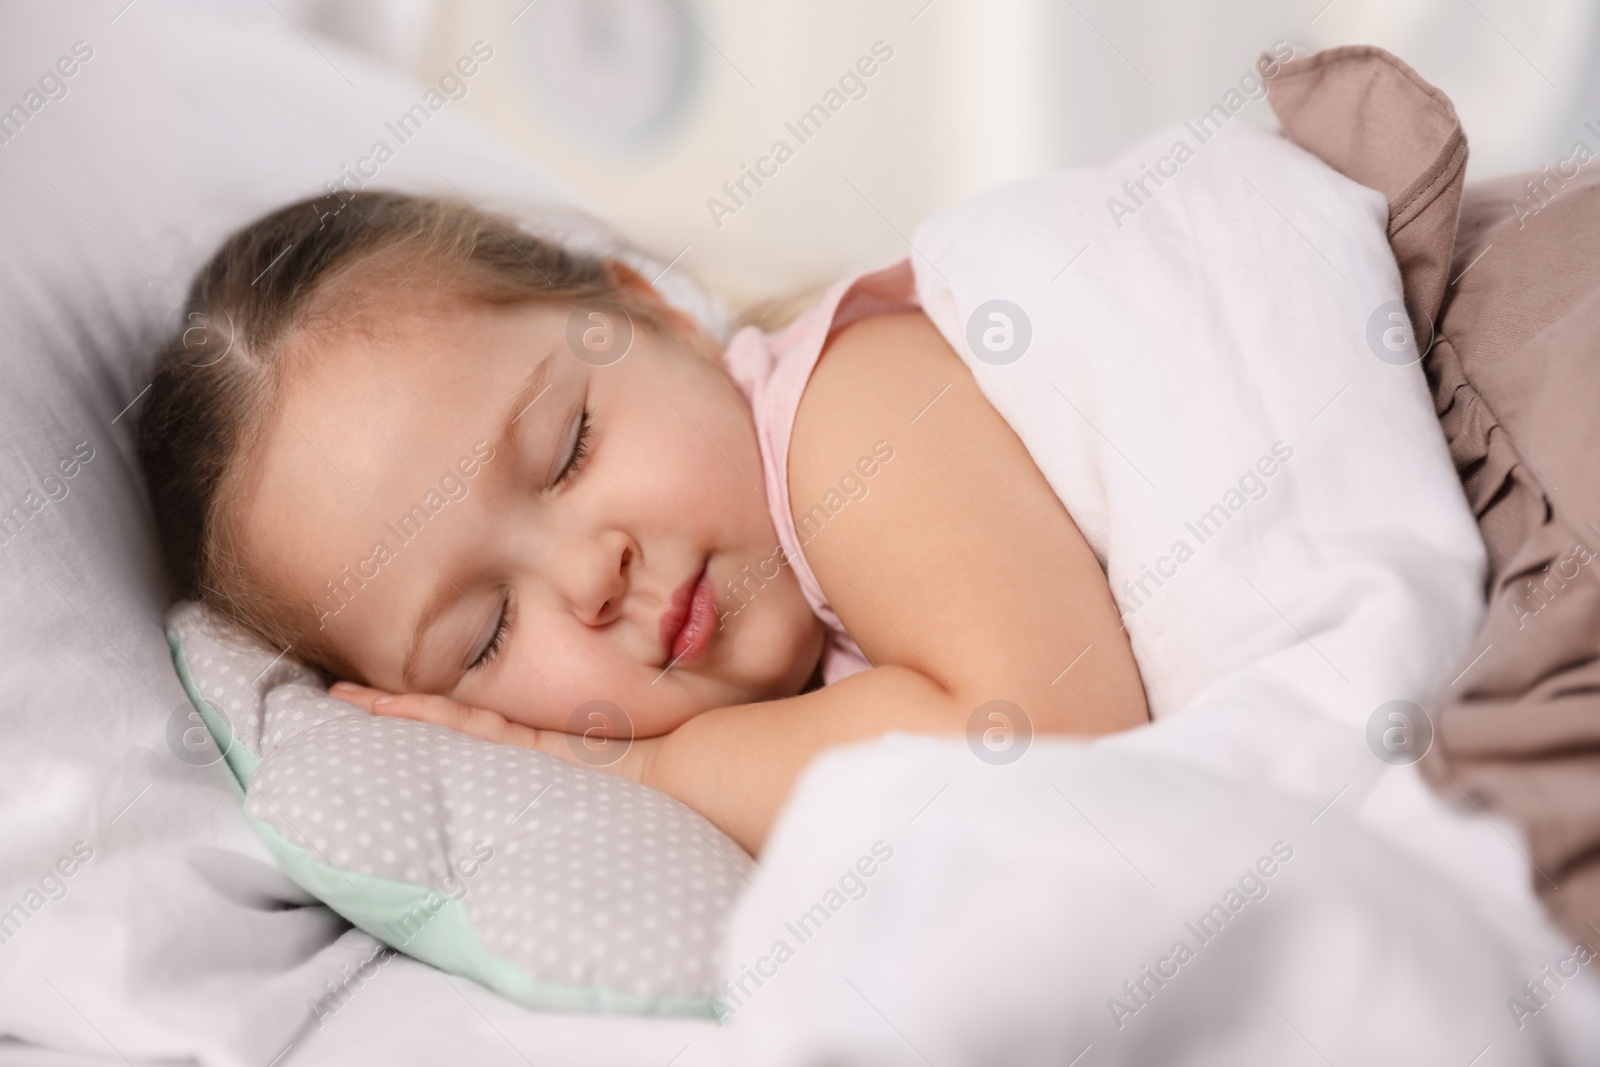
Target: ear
<point x="678" y="323"/>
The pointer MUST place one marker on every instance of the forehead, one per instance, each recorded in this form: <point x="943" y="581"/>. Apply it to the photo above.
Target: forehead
<point x="405" y="374"/>
<point x="367" y="425"/>
<point x="350" y="398"/>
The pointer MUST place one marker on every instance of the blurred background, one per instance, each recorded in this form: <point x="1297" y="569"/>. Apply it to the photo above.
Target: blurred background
<point x="647" y="107"/>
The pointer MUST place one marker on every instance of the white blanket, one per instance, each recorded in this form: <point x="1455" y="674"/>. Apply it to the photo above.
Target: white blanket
<point x="1208" y="385"/>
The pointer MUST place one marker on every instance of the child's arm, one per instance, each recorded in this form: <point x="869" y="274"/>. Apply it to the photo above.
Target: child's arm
<point x="960" y="562"/>
<point x="735" y="765"/>
<point x="959" y="573"/>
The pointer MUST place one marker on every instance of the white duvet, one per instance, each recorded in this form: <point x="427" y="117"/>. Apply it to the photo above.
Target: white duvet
<point x="1214" y="386"/>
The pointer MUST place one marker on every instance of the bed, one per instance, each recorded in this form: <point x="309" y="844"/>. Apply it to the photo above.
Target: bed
<point x="176" y="938"/>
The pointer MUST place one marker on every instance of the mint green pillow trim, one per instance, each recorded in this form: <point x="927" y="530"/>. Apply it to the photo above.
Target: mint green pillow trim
<point x="445" y="937"/>
<point x="241" y="761"/>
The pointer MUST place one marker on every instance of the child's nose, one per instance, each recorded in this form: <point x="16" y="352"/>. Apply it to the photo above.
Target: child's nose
<point x="602" y="580"/>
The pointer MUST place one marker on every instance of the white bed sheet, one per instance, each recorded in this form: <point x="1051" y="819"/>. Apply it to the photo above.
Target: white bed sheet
<point x="410" y="1013"/>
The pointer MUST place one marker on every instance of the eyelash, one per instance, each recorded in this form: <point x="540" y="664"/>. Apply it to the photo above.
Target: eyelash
<point x="497" y="639"/>
<point x="580" y="449"/>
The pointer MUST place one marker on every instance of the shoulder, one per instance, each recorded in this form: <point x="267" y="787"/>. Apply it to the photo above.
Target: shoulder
<point x="937" y="540"/>
<point x="886" y="352"/>
<point x="871" y="381"/>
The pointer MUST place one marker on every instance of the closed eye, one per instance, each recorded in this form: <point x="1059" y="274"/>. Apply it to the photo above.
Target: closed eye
<point x="497" y="639"/>
<point x="577" y="449"/>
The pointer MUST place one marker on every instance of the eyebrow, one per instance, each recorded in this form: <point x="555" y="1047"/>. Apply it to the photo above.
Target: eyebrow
<point x="446" y="592"/>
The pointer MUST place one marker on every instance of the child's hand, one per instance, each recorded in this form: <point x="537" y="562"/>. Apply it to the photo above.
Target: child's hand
<point x="627" y="759"/>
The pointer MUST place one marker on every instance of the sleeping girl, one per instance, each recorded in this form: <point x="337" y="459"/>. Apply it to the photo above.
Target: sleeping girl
<point x="506" y="488"/>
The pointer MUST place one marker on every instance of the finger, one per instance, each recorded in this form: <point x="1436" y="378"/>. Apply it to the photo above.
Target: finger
<point x="481" y="723"/>
<point x="423" y="707"/>
<point x="361" y="696"/>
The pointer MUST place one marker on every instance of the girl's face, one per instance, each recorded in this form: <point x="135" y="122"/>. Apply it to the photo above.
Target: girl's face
<point x="477" y="511"/>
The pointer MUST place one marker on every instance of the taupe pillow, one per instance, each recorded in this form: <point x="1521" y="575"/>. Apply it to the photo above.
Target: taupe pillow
<point x="1511" y="297"/>
<point x="1516" y="377"/>
<point x="1374" y="120"/>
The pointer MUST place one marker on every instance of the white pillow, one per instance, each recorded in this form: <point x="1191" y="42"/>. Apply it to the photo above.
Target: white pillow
<point x="179" y="937"/>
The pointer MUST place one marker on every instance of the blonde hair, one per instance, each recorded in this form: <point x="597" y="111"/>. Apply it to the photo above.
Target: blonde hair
<point x="319" y="264"/>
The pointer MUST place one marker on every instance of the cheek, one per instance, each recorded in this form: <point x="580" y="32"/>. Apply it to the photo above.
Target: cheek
<point x="667" y="461"/>
<point x="546" y="676"/>
<point x="686" y="437"/>
<point x="560" y="671"/>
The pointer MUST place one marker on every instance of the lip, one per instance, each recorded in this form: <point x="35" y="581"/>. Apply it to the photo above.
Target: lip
<point x="689" y="621"/>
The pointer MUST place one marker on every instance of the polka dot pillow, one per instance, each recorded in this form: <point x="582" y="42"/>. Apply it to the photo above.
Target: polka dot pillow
<point x="557" y="886"/>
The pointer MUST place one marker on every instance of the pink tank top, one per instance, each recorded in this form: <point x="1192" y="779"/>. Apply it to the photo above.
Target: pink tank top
<point x="772" y="370"/>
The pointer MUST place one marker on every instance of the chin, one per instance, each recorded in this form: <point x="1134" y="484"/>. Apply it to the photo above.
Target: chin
<point x="803" y="651"/>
